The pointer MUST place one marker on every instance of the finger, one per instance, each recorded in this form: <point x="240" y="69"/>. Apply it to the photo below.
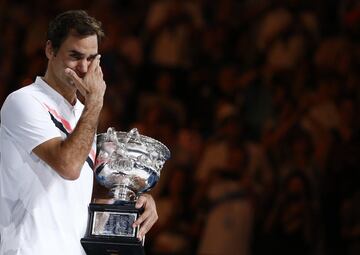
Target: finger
<point x="94" y="63"/>
<point x="98" y="71"/>
<point x="76" y="79"/>
<point x="146" y="201"/>
<point x="146" y="226"/>
<point x="141" y="201"/>
<point x="70" y="73"/>
<point x="142" y="218"/>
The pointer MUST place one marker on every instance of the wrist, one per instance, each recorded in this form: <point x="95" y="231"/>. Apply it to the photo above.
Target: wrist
<point x="93" y="103"/>
<point x="92" y="108"/>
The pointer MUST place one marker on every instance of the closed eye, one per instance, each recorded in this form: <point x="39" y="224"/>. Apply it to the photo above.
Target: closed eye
<point x="78" y="56"/>
<point x="92" y="57"/>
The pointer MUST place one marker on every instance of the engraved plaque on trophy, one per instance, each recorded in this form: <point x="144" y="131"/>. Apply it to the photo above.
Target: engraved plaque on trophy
<point x="128" y="164"/>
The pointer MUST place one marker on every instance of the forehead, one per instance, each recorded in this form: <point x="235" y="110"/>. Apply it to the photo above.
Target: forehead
<point x="87" y="45"/>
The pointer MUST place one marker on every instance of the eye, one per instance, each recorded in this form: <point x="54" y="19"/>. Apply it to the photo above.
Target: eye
<point x="91" y="58"/>
<point x="76" y="57"/>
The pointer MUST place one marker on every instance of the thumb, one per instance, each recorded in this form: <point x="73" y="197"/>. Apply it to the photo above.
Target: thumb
<point x="140" y="202"/>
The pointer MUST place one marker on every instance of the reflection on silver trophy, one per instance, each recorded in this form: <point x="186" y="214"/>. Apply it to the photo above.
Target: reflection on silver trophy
<point x="129" y="163"/>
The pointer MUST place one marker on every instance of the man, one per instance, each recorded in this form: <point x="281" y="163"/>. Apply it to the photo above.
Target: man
<point x="47" y="146"/>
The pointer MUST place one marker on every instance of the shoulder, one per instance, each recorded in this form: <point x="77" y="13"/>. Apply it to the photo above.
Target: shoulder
<point x="19" y="96"/>
<point x="23" y="98"/>
<point x="28" y="98"/>
<point x="23" y="105"/>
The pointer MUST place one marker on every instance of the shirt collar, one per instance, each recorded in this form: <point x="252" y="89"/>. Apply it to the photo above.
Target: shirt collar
<point x="56" y="95"/>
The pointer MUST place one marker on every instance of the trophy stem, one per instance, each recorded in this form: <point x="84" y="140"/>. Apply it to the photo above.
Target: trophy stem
<point x="123" y="193"/>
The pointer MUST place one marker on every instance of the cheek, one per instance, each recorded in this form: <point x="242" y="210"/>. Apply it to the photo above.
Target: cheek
<point x="69" y="64"/>
<point x="60" y="69"/>
<point x="60" y="65"/>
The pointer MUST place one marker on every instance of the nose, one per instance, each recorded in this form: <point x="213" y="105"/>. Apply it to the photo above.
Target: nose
<point x="82" y="67"/>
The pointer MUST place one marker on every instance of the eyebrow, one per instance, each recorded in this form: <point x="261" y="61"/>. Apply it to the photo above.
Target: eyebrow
<point x="77" y="53"/>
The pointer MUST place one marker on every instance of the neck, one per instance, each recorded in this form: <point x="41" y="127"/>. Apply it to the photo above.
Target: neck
<point x="66" y="90"/>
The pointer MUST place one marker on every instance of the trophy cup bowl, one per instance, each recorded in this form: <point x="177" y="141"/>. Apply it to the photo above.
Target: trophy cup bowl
<point x="128" y="164"/>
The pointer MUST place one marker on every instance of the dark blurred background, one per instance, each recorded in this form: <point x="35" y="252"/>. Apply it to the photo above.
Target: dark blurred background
<point x="257" y="100"/>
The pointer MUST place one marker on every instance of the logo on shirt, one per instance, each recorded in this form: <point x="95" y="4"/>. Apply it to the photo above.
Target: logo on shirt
<point x="66" y="128"/>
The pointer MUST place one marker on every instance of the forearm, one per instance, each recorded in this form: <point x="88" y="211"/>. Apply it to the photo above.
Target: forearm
<point x="67" y="156"/>
<point x="77" y="146"/>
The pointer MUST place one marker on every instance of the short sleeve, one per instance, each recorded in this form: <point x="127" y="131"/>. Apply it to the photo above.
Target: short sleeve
<point x="27" y="121"/>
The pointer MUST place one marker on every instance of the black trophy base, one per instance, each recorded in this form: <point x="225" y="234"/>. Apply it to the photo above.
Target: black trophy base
<point x="101" y="247"/>
<point x="110" y="230"/>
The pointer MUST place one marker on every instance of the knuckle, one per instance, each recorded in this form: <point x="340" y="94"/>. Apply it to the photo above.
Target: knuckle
<point x="140" y="219"/>
<point x="145" y="228"/>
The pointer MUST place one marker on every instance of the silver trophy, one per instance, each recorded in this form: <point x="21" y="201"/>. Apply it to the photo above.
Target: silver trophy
<point x="128" y="164"/>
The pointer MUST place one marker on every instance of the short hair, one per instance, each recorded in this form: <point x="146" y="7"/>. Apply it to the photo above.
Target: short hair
<point x="74" y="20"/>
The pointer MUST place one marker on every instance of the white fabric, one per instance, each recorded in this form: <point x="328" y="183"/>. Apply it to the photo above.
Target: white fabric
<point x="40" y="212"/>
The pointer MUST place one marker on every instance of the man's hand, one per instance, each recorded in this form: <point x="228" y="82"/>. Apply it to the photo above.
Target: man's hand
<point x="92" y="86"/>
<point x="148" y="217"/>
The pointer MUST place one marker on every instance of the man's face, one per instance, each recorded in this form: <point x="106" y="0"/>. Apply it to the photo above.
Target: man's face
<point x="76" y="53"/>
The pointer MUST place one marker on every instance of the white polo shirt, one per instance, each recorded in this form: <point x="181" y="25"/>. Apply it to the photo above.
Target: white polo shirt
<point x="40" y="212"/>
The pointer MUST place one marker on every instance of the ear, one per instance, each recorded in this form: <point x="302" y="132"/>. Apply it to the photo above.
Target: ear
<point x="49" y="50"/>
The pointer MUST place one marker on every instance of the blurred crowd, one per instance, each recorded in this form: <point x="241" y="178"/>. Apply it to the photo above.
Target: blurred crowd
<point x="256" y="99"/>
